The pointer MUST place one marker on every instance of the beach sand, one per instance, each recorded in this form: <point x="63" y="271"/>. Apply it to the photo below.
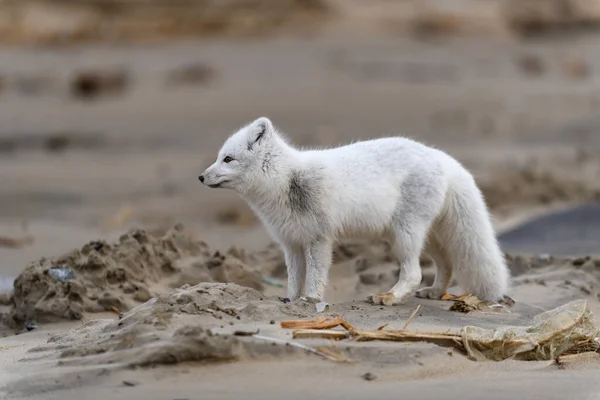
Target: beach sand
<point x="166" y="270"/>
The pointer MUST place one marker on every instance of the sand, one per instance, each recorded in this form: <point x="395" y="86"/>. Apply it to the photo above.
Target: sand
<point x="103" y="178"/>
<point x="194" y="327"/>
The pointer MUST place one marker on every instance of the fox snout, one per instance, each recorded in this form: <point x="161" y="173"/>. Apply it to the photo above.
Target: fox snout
<point x="206" y="177"/>
<point x="210" y="179"/>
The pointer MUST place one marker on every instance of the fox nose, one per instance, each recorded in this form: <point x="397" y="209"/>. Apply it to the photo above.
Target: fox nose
<point x="201" y="177"/>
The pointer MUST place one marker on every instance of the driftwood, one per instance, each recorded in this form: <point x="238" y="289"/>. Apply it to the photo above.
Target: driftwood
<point x="441" y="339"/>
<point x="318" y="323"/>
<point x="319" y="333"/>
<point x="321" y="328"/>
<point x="563" y="331"/>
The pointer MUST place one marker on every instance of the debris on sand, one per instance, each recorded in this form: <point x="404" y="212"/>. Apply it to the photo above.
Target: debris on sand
<point x="61" y="274"/>
<point x="319" y="333"/>
<point x="369" y="376"/>
<point x="318" y="323"/>
<point x="466" y="304"/>
<point x="105" y="277"/>
<point x="409" y="320"/>
<point x="30" y="326"/>
<point x="569" y="329"/>
<point x="15" y="242"/>
<point x="578" y="361"/>
<point x="93" y="83"/>
<point x="271" y="281"/>
<point x="321" y="306"/>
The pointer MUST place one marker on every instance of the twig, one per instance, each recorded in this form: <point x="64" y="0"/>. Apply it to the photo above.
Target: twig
<point x="319" y="333"/>
<point x="441" y="339"/>
<point x="382" y="326"/>
<point x="318" y="323"/>
<point x="338" y="356"/>
<point x="409" y="320"/>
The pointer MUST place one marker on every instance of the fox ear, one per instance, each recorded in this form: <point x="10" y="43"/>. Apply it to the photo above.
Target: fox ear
<point x="258" y="131"/>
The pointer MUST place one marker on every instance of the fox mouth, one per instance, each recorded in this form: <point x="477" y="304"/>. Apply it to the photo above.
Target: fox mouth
<point x="217" y="185"/>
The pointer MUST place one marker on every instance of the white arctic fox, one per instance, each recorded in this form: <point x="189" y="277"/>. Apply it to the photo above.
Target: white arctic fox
<point x="417" y="197"/>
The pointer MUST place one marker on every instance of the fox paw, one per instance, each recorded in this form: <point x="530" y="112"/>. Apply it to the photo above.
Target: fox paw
<point x="384" y="299"/>
<point x="430" y="293"/>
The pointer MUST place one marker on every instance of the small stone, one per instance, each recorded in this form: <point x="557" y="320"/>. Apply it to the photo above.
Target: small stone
<point x="579" y="261"/>
<point x="272" y="322"/>
<point x="30" y="326"/>
<point x="129" y="383"/>
<point x="321" y="306"/>
<point x="142" y="295"/>
<point x="544" y="257"/>
<point x="369" y="376"/>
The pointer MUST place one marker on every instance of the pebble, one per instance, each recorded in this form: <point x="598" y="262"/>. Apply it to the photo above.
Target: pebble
<point x="369" y="376"/>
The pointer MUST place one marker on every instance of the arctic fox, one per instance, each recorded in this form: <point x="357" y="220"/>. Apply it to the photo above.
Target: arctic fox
<point x="417" y="197"/>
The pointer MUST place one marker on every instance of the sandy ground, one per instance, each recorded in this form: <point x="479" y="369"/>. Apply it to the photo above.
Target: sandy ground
<point x="130" y="159"/>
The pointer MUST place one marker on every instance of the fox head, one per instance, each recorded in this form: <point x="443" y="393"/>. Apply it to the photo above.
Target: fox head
<point x="243" y="158"/>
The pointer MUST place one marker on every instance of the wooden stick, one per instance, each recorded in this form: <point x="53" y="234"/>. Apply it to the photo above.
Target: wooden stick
<point x="319" y="333"/>
<point x="441" y="339"/>
<point x="382" y="326"/>
<point x="408" y="321"/>
<point x="338" y="356"/>
<point x="318" y="323"/>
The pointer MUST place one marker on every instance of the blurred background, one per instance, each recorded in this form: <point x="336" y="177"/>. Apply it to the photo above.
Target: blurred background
<point x="110" y="109"/>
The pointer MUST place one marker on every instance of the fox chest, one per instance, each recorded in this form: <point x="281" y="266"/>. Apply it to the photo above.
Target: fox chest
<point x="295" y="227"/>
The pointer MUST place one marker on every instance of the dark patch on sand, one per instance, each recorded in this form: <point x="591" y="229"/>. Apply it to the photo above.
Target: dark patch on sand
<point x="571" y="232"/>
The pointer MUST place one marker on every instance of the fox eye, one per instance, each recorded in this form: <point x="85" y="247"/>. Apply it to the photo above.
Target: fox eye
<point x="227" y="159"/>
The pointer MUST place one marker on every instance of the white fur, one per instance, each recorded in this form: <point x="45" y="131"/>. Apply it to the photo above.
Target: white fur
<point x="418" y="197"/>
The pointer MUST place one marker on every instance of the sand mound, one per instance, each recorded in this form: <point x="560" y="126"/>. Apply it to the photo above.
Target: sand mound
<point x="116" y="277"/>
<point x="173" y="328"/>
